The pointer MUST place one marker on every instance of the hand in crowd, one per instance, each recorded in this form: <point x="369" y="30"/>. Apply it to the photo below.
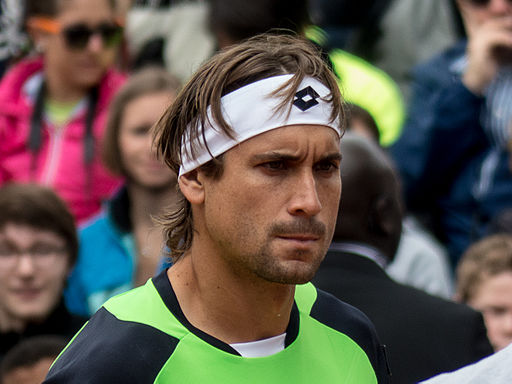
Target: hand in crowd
<point x="489" y="46"/>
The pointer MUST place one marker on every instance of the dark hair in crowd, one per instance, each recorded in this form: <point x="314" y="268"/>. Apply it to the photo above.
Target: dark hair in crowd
<point x="355" y="112"/>
<point x="30" y="351"/>
<point x="38" y="207"/>
<point x="240" y="20"/>
<point x="149" y="80"/>
<point x="255" y="59"/>
<point x="49" y="8"/>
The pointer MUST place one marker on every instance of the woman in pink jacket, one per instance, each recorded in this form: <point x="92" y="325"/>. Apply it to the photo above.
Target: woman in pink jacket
<point x="53" y="106"/>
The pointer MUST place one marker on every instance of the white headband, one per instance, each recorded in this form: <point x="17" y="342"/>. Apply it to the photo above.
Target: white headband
<point x="250" y="111"/>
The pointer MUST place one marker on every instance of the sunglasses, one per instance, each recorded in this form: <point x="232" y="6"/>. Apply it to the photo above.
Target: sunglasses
<point x="77" y="36"/>
<point x="482" y="3"/>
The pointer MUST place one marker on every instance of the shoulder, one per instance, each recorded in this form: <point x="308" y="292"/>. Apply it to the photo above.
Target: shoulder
<point x="345" y="319"/>
<point x="98" y="234"/>
<point x="123" y="342"/>
<point x="110" y="84"/>
<point x="12" y="82"/>
<point x="108" y="350"/>
<point x="439" y="65"/>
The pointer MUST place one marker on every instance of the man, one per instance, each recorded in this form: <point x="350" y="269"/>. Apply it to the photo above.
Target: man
<point x="38" y="247"/>
<point x="256" y="219"/>
<point x="453" y="154"/>
<point x="424" y="334"/>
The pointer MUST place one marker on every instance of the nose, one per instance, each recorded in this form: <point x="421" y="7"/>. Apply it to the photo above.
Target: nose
<point x="499" y="7"/>
<point x="95" y="43"/>
<point x="305" y="200"/>
<point x="25" y="266"/>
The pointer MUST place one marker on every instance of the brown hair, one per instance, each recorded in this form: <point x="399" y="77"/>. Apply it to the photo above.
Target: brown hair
<point x="255" y="59"/>
<point x="148" y="81"/>
<point x="38" y="207"/>
<point x="487" y="257"/>
<point x="30" y="351"/>
<point x="50" y="8"/>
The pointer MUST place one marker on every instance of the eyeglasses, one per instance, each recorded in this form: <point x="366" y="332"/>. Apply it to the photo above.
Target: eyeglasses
<point x="77" y="36"/>
<point x="42" y="254"/>
<point x="482" y="3"/>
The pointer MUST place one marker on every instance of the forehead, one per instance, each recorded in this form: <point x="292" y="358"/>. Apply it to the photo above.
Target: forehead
<point x="25" y="235"/>
<point x="85" y="10"/>
<point x="300" y="140"/>
<point x="495" y="287"/>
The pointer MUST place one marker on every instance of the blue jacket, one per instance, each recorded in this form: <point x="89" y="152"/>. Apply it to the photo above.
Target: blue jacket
<point x="442" y="152"/>
<point x="106" y="258"/>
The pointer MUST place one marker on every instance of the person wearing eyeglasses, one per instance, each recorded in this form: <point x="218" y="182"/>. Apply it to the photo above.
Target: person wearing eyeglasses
<point x="453" y="154"/>
<point x="53" y="106"/>
<point x="38" y="247"/>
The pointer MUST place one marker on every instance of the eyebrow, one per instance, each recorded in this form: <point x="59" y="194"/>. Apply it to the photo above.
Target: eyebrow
<point x="274" y="156"/>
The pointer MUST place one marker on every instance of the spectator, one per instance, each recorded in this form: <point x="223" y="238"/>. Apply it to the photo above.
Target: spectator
<point x="38" y="247"/>
<point x="420" y="260"/>
<point x="484" y="281"/>
<point x="361" y="83"/>
<point x="120" y="248"/>
<point x="52" y="107"/>
<point x="255" y="137"/>
<point x="453" y="154"/>
<point x="394" y="35"/>
<point x="29" y="361"/>
<point x="424" y="335"/>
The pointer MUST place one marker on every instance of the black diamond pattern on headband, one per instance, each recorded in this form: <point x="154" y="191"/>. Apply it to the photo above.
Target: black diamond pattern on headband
<point x="306" y="98"/>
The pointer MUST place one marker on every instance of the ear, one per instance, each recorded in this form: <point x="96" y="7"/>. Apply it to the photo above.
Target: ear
<point x="192" y="187"/>
<point x="38" y="37"/>
<point x="385" y="218"/>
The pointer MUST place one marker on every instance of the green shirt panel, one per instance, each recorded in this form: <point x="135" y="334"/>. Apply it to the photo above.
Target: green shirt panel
<point x="144" y="305"/>
<point x="318" y="355"/>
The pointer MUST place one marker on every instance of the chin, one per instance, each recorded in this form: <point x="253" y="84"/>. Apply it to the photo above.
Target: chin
<point x="295" y="272"/>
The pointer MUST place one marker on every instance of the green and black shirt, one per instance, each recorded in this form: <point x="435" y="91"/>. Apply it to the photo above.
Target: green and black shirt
<point x="142" y="336"/>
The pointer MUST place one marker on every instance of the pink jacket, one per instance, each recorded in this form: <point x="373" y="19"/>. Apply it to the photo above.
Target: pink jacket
<point x="60" y="160"/>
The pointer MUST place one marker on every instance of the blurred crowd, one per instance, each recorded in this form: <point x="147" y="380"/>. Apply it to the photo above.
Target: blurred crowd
<point x="423" y="242"/>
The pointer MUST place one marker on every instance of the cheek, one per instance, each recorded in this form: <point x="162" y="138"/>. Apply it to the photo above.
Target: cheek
<point x="108" y="57"/>
<point x="330" y="194"/>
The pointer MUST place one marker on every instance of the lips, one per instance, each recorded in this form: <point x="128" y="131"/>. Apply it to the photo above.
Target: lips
<point x="27" y="293"/>
<point x="300" y="237"/>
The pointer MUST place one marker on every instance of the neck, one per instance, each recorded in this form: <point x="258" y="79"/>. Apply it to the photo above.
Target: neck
<point x="145" y="203"/>
<point x="11" y="324"/>
<point x="231" y="306"/>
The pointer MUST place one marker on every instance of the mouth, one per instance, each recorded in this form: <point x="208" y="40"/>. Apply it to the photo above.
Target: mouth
<point x="299" y="237"/>
<point x="27" y="293"/>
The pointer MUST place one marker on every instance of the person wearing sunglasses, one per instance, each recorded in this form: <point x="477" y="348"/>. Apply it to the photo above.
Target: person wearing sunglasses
<point x="453" y="154"/>
<point x="53" y="105"/>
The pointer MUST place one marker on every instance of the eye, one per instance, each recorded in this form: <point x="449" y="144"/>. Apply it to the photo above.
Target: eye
<point x="275" y="165"/>
<point x="496" y="311"/>
<point x="327" y="166"/>
<point x="141" y="130"/>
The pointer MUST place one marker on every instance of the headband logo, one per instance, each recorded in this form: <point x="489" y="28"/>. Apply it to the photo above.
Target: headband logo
<point x="306" y="98"/>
